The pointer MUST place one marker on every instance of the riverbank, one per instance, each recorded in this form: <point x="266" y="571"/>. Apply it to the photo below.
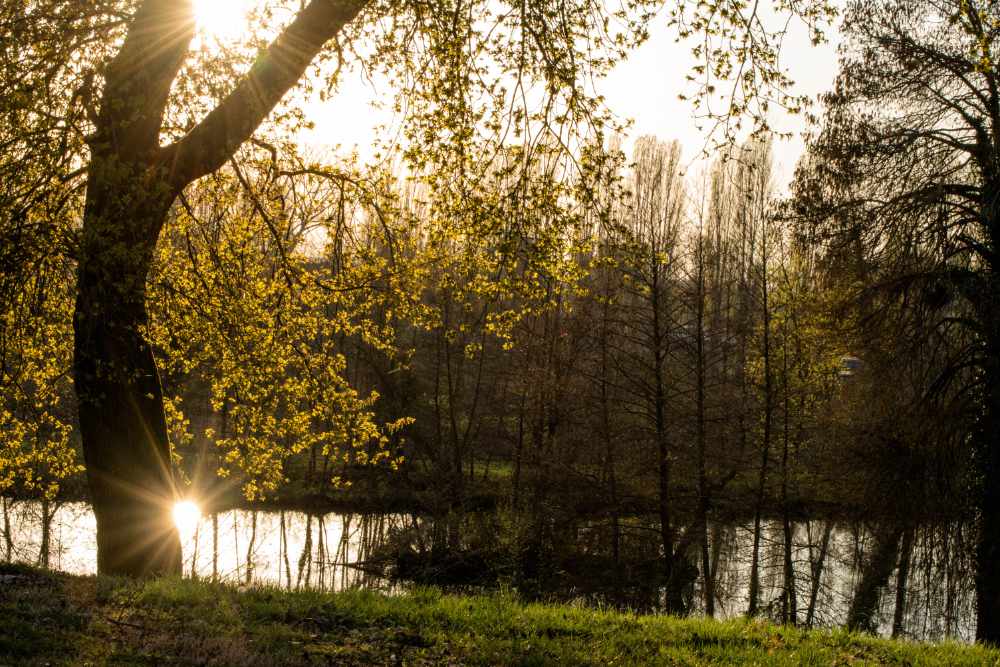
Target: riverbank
<point x="57" y="619"/>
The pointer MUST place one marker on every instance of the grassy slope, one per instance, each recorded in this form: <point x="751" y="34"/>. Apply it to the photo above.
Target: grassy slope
<point x="58" y="619"/>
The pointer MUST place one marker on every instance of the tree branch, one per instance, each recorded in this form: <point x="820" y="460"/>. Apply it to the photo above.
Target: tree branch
<point x="214" y="140"/>
<point x="139" y="79"/>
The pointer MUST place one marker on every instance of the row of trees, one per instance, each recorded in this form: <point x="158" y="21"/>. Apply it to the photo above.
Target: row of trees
<point x="672" y="357"/>
<point x="681" y="321"/>
<point x="690" y="335"/>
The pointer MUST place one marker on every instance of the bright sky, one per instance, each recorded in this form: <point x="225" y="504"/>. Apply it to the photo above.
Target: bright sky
<point x="644" y="89"/>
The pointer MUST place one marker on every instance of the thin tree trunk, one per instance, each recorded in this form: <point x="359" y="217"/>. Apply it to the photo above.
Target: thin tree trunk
<point x="321" y="551"/>
<point x="953" y="579"/>
<point x="609" y="453"/>
<point x="250" y="546"/>
<point x="194" y="554"/>
<point x="674" y="603"/>
<point x="765" y="452"/>
<point x="215" y="546"/>
<point x="284" y="554"/>
<point x="789" y="604"/>
<point x="8" y="533"/>
<point x="609" y="444"/>
<point x="44" y="550"/>
<point x="518" y="454"/>
<point x="305" y="560"/>
<point x="703" y="499"/>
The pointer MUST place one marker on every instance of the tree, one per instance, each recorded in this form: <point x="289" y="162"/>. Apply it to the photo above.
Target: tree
<point x="36" y="413"/>
<point x="133" y="180"/>
<point x="650" y="247"/>
<point x="240" y="305"/>
<point x="753" y="182"/>
<point x="906" y="184"/>
<point x="118" y="88"/>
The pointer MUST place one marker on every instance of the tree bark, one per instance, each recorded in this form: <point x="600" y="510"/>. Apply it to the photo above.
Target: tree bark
<point x="121" y="403"/>
<point x="122" y="423"/>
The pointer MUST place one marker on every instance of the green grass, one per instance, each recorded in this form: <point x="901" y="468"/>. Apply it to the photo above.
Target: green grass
<point x="58" y="619"/>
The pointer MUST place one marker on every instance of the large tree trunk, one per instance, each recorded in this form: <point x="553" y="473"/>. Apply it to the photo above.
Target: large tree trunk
<point x="130" y="187"/>
<point x="132" y="182"/>
<point x="987" y="434"/>
<point x="988" y="546"/>
<point x="118" y="389"/>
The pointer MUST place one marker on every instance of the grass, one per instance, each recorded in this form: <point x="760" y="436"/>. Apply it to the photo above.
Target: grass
<point x="55" y="619"/>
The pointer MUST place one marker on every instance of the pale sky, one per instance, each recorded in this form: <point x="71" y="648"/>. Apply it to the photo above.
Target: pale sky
<point x="644" y="89"/>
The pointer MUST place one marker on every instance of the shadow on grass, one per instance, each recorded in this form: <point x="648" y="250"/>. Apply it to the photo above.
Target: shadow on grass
<point x="36" y="615"/>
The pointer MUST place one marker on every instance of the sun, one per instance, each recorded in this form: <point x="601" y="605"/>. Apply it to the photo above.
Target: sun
<point x="222" y="19"/>
<point x="186" y="518"/>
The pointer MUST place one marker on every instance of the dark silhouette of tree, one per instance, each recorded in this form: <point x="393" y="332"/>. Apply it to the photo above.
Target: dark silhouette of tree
<point x="904" y="179"/>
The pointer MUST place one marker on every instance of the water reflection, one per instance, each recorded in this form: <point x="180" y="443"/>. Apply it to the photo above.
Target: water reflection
<point x="919" y="578"/>
<point x="289" y="549"/>
<point x="928" y="594"/>
<point x="57" y="535"/>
